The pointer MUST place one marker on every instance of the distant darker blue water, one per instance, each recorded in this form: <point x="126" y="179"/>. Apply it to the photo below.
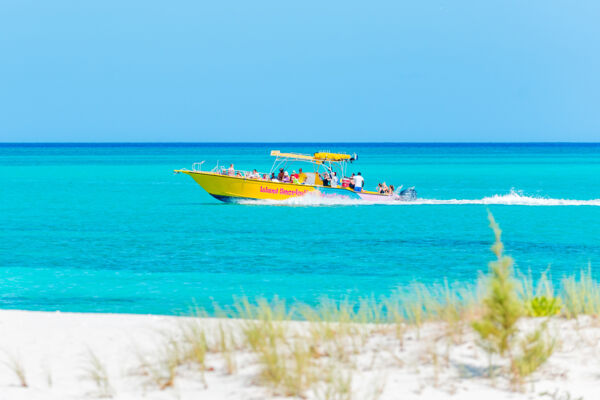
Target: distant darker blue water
<point x="109" y="228"/>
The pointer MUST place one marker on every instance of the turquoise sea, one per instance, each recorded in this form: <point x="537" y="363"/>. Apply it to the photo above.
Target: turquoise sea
<point x="110" y="228"/>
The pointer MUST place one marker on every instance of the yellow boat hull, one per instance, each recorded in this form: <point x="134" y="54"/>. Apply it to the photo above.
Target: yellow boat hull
<point x="232" y="188"/>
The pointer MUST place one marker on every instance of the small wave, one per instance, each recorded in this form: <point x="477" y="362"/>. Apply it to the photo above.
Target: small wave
<point x="514" y="198"/>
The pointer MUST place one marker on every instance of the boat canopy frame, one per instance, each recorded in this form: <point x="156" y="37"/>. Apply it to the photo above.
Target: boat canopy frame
<point x="325" y="159"/>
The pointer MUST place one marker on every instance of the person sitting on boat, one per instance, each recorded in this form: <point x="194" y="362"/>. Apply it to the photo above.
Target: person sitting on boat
<point x="379" y="188"/>
<point x="286" y="177"/>
<point x="265" y="177"/>
<point x="326" y="179"/>
<point x="352" y="185"/>
<point x="280" y="175"/>
<point x="273" y="177"/>
<point x="334" y="180"/>
<point x="391" y="191"/>
<point x="294" y="175"/>
<point x="301" y="176"/>
<point x="358" y="183"/>
<point x="254" y="174"/>
<point x="385" y="188"/>
<point x="231" y="170"/>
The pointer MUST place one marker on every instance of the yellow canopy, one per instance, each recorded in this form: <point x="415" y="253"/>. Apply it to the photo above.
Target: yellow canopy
<point x="317" y="157"/>
<point x="332" y="156"/>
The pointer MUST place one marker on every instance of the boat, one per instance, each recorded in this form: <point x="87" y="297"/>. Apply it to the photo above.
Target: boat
<point x="230" y="185"/>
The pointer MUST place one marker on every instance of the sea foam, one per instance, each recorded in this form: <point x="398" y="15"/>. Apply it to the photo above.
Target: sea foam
<point x="514" y="198"/>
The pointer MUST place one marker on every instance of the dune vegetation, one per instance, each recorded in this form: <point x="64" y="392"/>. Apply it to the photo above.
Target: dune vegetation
<point x="315" y="351"/>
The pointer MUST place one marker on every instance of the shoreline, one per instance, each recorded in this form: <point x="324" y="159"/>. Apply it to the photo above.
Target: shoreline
<point x="61" y="356"/>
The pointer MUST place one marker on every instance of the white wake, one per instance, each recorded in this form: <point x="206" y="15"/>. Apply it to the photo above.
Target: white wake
<point x="514" y="198"/>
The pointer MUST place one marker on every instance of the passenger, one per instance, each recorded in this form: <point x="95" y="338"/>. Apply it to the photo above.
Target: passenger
<point x="254" y="175"/>
<point x="265" y="177"/>
<point x="286" y="177"/>
<point x="334" y="180"/>
<point x="391" y="189"/>
<point x="384" y="188"/>
<point x="273" y="177"/>
<point x="326" y="179"/>
<point x="358" y="183"/>
<point x="352" y="185"/>
<point x="231" y="170"/>
<point x="379" y="188"/>
<point x="239" y="174"/>
<point x="301" y="176"/>
<point x="294" y="175"/>
<point x="280" y="175"/>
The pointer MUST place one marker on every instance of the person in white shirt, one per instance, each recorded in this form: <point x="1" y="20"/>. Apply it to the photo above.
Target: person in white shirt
<point x="231" y="170"/>
<point x="254" y="174"/>
<point x="358" y="182"/>
<point x="334" y="180"/>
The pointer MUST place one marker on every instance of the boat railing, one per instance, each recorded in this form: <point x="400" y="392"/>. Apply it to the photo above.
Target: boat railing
<point x="197" y="166"/>
<point x="238" y="173"/>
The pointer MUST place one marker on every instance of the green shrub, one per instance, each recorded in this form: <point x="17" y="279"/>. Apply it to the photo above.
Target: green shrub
<point x="502" y="308"/>
<point x="542" y="306"/>
<point x="535" y="349"/>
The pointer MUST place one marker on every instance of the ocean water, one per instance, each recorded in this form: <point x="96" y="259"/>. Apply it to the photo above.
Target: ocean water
<point x="110" y="228"/>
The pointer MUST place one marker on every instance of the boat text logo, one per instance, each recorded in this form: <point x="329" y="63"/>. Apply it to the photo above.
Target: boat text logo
<point x="285" y="192"/>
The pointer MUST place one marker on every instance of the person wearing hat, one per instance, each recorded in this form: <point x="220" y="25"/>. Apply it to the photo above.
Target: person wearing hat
<point x="286" y="177"/>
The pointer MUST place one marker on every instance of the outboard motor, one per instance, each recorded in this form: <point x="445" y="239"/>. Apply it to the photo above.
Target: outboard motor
<point x="409" y="194"/>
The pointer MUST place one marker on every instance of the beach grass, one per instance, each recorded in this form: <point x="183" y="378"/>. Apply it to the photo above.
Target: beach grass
<point x="303" y="349"/>
<point x="15" y="364"/>
<point x="95" y="370"/>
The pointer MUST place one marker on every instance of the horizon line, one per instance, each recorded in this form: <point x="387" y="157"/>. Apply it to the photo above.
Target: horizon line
<point x="291" y="143"/>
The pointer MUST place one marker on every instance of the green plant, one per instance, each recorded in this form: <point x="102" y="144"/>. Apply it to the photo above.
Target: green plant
<point x="535" y="349"/>
<point x="502" y="308"/>
<point x="542" y="306"/>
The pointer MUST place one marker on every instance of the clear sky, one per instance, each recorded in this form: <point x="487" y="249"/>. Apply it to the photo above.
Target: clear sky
<point x="133" y="70"/>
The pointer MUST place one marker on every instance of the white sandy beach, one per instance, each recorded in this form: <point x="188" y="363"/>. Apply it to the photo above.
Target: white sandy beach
<point x="54" y="350"/>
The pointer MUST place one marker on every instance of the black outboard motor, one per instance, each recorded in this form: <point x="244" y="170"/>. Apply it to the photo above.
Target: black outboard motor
<point x="409" y="194"/>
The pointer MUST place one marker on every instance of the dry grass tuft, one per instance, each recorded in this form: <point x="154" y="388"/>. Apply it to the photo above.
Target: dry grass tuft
<point x="581" y="296"/>
<point x="96" y="372"/>
<point x="15" y="364"/>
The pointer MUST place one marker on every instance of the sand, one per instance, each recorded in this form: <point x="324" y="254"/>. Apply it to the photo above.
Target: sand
<point x="55" y="350"/>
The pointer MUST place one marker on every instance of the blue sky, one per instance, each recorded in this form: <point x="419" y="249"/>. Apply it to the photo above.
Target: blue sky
<point x="299" y="70"/>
